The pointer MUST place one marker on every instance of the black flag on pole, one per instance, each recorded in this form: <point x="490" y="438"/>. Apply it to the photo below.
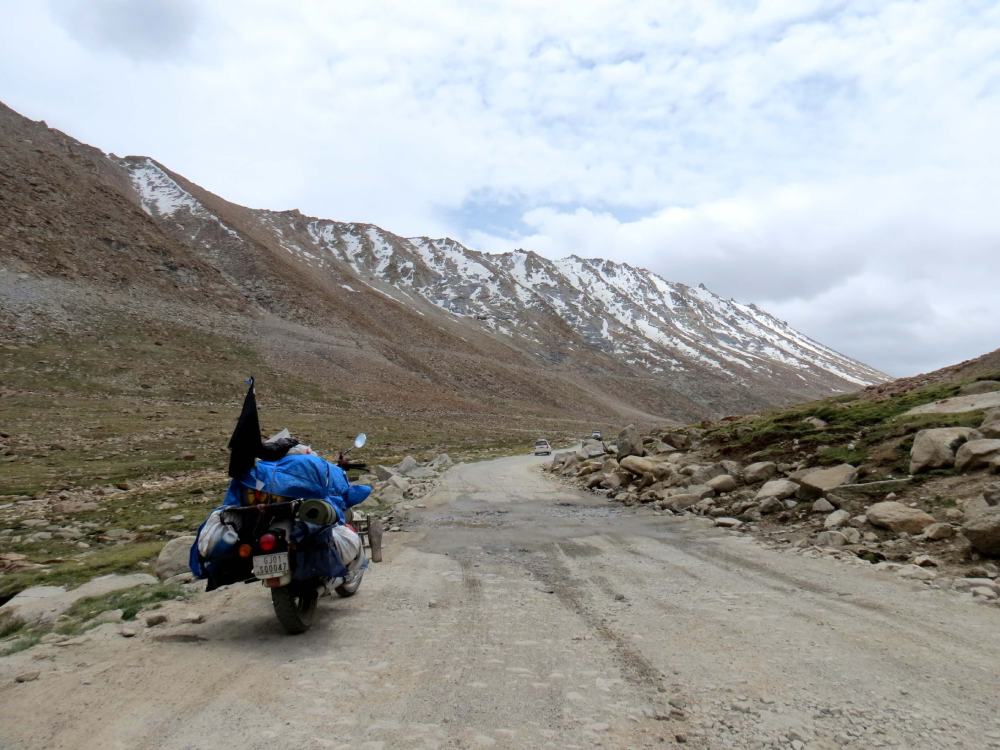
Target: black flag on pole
<point x="245" y="444"/>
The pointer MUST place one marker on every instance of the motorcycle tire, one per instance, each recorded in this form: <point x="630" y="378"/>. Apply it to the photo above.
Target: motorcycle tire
<point x="295" y="612"/>
<point x="350" y="587"/>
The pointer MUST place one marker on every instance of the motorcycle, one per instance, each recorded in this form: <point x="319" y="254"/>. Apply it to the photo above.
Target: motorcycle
<point x="288" y="545"/>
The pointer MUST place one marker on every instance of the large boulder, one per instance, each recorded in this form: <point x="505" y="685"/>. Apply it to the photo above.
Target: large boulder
<point x="977" y="454"/>
<point x="611" y="481"/>
<point x="722" y="483"/>
<point x="560" y="460"/>
<point x="702" y="490"/>
<point x="645" y="467"/>
<point x="173" y="558"/>
<point x="441" y="462"/>
<point x="898" y="517"/>
<point x="629" y="443"/>
<point x="983" y="532"/>
<point x="777" y="488"/>
<point x="990" y="428"/>
<point x="817" y="482"/>
<point x="760" y="472"/>
<point x="836" y="519"/>
<point x="408" y="464"/>
<point x="701" y="473"/>
<point x="591" y="449"/>
<point x="680" y="440"/>
<point x="935" y="448"/>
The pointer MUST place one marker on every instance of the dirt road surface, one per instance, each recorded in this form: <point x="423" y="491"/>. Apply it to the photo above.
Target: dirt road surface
<point x="517" y="613"/>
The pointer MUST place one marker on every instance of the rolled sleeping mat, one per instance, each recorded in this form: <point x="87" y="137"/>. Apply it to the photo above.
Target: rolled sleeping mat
<point x="317" y="511"/>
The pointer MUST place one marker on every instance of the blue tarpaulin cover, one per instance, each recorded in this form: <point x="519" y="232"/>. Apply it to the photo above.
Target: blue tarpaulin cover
<point x="297" y="476"/>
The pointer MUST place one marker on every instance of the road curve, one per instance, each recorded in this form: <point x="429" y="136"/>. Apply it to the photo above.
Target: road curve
<point x="516" y="613"/>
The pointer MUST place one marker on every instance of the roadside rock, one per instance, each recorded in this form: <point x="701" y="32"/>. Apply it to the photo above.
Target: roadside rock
<point x="592" y="448"/>
<point x="777" y="488"/>
<point x="898" y="517"/>
<point x="830" y="539"/>
<point x="645" y="466"/>
<point x="818" y="482"/>
<point x="822" y="506"/>
<point x="935" y="448"/>
<point x="408" y="464"/>
<point x="983" y="532"/>
<point x="722" y="483"/>
<point x="28" y="676"/>
<point x="853" y="536"/>
<point x="770" y="505"/>
<point x="155" y="619"/>
<point x="43" y="604"/>
<point x="441" y="462"/>
<point x="938" y="531"/>
<point x="990" y="428"/>
<point x="173" y="558"/>
<point x="728" y="523"/>
<point x="759" y="472"/>
<point x="836" y="519"/>
<point x="611" y="482"/>
<point x="682" y="501"/>
<point x="629" y="442"/>
<point x="384" y="473"/>
<point x="977" y="454"/>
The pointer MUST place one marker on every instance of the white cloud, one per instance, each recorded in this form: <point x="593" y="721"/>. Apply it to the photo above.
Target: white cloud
<point x="829" y="160"/>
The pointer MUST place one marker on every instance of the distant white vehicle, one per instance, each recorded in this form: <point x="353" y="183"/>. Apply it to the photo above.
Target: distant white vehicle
<point x="596" y="435"/>
<point x="542" y="448"/>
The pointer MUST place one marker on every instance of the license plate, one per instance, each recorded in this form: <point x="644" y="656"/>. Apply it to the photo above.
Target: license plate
<point x="270" y="566"/>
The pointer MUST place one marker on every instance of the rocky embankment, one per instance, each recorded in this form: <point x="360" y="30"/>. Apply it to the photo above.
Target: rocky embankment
<point x="895" y="524"/>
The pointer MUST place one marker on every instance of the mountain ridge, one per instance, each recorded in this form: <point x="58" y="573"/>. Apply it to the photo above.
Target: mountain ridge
<point x="513" y="329"/>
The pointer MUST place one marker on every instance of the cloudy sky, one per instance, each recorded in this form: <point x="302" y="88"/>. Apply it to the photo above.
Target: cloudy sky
<point x="836" y="162"/>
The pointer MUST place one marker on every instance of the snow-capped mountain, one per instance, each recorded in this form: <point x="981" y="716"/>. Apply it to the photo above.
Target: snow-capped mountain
<point x="627" y="313"/>
<point x="385" y="324"/>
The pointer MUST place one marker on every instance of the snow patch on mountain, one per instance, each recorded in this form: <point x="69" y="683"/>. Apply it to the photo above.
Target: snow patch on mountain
<point x="162" y="197"/>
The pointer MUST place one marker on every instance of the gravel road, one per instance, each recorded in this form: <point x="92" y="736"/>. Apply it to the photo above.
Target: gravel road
<point x="514" y="612"/>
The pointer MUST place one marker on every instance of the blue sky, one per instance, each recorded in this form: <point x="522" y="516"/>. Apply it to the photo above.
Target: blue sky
<point x="835" y="162"/>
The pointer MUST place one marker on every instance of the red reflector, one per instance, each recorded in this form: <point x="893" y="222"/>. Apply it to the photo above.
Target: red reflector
<point x="272" y="583"/>
<point x="267" y="542"/>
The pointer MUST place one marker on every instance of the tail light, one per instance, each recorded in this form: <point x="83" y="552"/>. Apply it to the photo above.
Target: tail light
<point x="245" y="550"/>
<point x="267" y="542"/>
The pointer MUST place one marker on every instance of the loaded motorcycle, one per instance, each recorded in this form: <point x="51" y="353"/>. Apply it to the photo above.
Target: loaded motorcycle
<point x="283" y="523"/>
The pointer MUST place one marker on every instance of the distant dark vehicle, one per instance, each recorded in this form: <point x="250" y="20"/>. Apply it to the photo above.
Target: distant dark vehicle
<point x="596" y="435"/>
<point x="542" y="448"/>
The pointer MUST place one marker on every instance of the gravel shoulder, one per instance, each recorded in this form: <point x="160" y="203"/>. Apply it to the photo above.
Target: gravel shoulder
<point x="515" y="612"/>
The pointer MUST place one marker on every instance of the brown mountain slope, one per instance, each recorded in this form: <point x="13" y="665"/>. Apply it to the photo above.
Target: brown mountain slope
<point x="93" y="256"/>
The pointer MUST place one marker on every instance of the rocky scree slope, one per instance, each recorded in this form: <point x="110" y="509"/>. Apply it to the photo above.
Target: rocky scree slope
<point x="920" y="496"/>
<point x="447" y="326"/>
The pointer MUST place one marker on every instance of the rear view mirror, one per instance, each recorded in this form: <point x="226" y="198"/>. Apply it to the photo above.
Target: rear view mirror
<point x="360" y="440"/>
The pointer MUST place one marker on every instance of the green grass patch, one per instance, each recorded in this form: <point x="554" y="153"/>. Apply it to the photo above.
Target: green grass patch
<point x="119" y="558"/>
<point x="21" y="643"/>
<point x="131" y="602"/>
<point x="9" y="626"/>
<point x="857" y="427"/>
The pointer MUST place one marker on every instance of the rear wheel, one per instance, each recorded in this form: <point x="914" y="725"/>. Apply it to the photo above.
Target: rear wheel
<point x="295" y="609"/>
<point x="352" y="582"/>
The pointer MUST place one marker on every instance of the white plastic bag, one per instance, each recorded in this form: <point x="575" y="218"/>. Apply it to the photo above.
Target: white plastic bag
<point x="348" y="545"/>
